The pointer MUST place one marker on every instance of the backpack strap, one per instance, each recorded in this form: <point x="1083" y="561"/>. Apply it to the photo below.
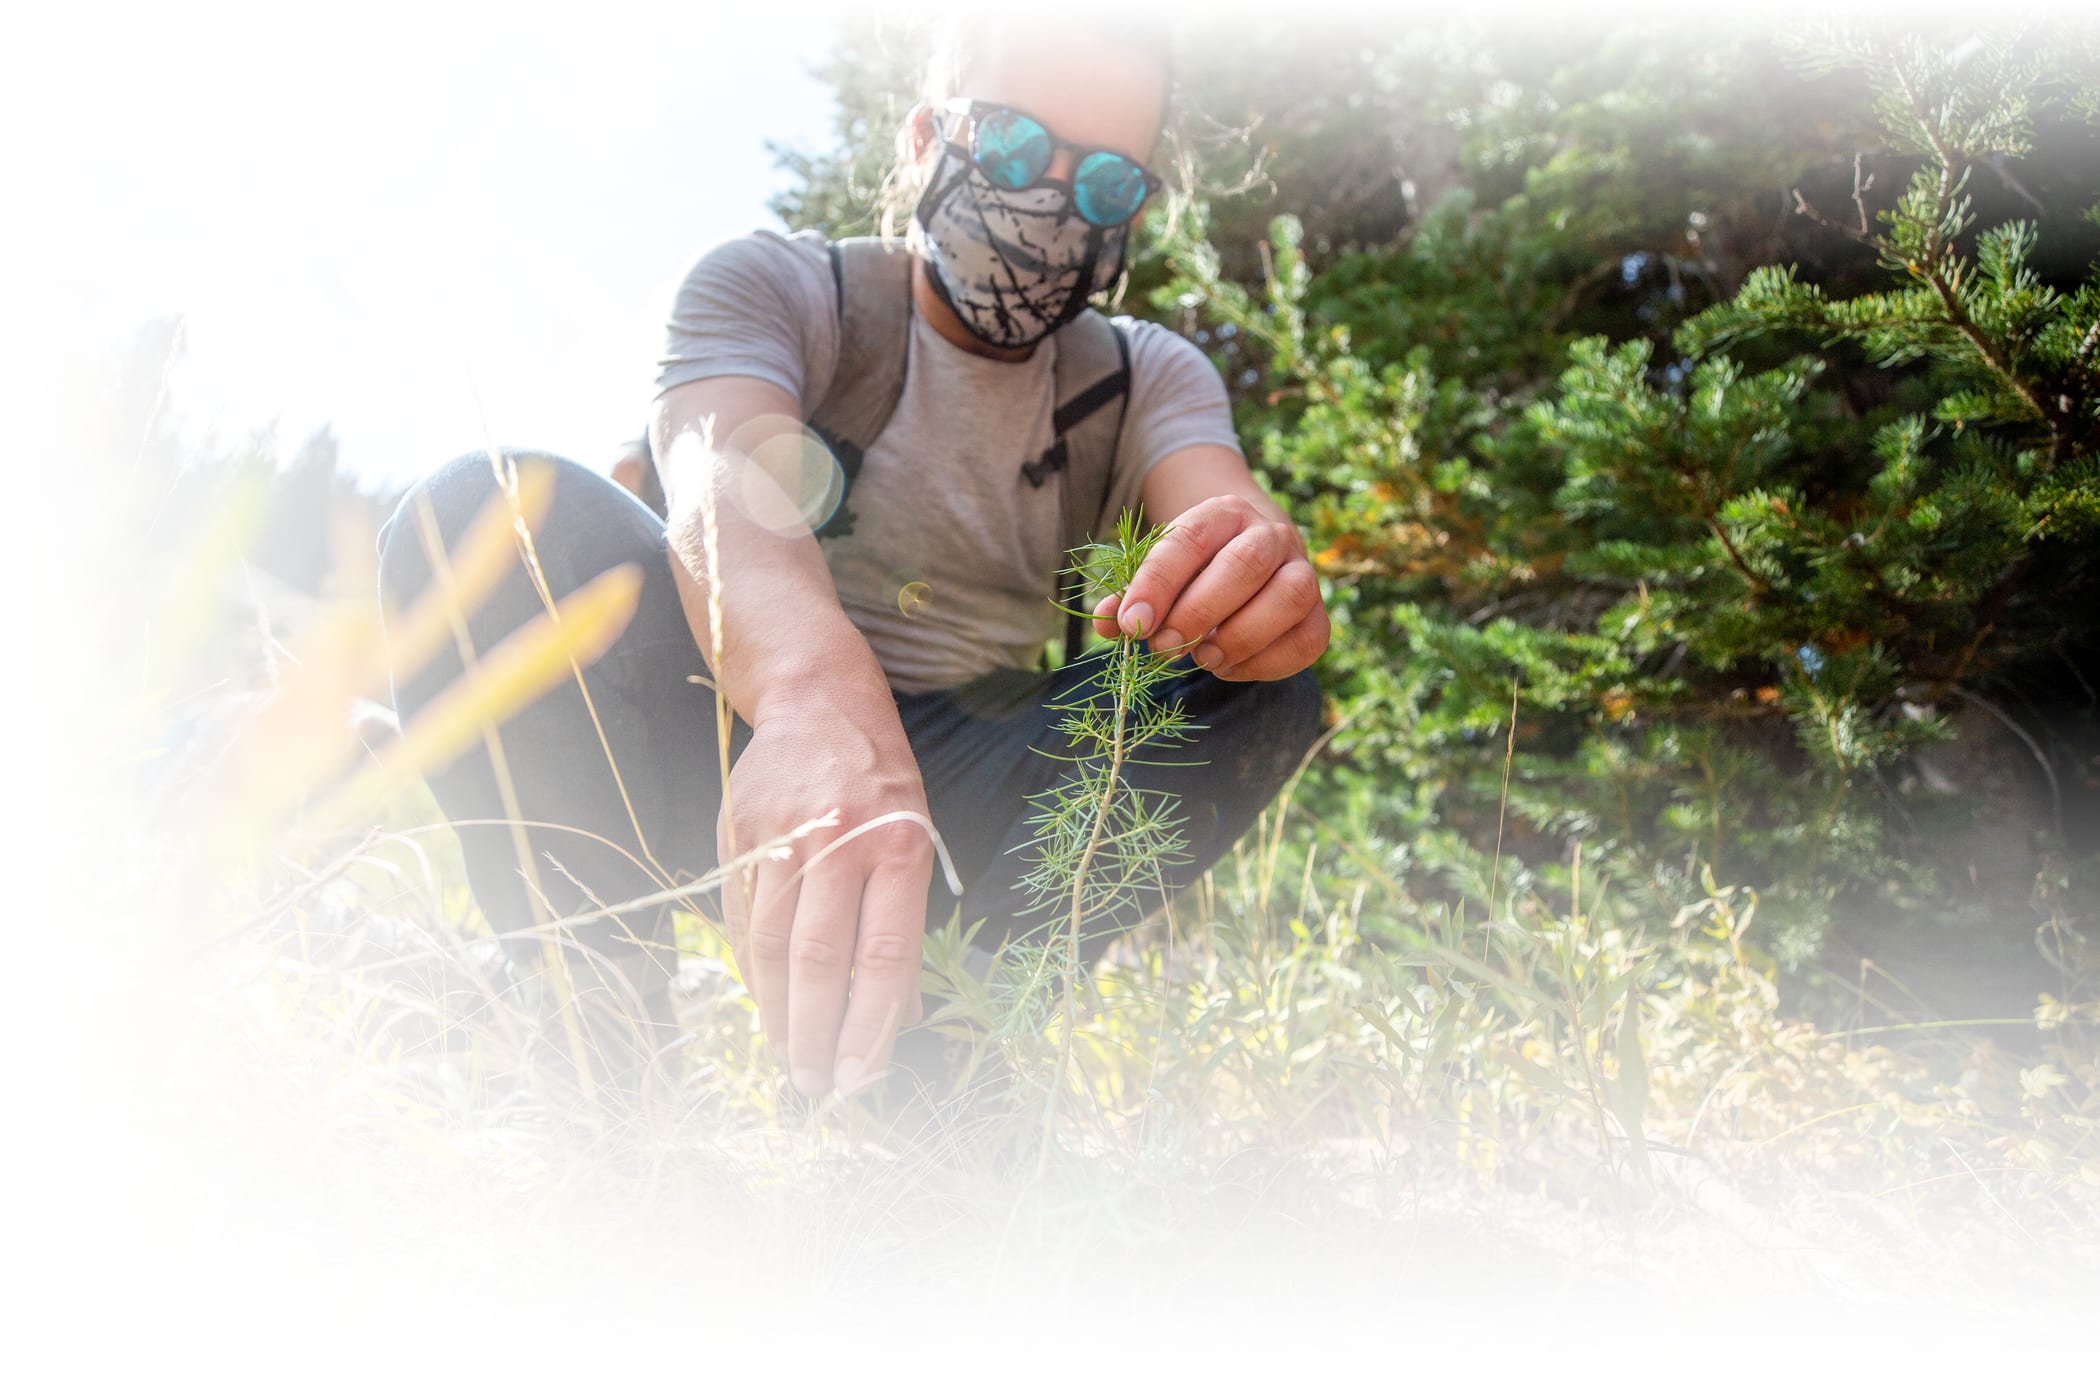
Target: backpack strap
<point x="872" y="279"/>
<point x="1092" y="375"/>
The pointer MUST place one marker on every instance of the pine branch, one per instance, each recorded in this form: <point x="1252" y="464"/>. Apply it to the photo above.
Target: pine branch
<point x="1929" y="263"/>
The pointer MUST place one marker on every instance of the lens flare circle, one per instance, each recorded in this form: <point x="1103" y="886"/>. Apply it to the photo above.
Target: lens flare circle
<point x="790" y="483"/>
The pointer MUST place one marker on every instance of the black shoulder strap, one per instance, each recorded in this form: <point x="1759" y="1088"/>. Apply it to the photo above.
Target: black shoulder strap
<point x="872" y="279"/>
<point x="1092" y="373"/>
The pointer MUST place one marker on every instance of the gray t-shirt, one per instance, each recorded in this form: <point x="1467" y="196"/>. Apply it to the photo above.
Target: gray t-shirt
<point x="948" y="568"/>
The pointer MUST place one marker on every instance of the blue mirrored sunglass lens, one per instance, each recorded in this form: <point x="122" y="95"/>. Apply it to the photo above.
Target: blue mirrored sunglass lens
<point x="1012" y="150"/>
<point x="1107" y="188"/>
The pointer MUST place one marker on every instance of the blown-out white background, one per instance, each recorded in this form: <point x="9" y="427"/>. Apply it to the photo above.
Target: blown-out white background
<point x="399" y="217"/>
<point x="375" y="218"/>
<point x="405" y="220"/>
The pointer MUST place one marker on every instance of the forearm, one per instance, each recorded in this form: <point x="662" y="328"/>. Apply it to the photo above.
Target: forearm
<point x="841" y="924"/>
<point x="782" y="632"/>
<point x="1195" y="474"/>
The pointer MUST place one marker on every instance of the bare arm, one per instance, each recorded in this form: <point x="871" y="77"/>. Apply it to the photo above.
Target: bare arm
<point x="702" y="436"/>
<point x="829" y="950"/>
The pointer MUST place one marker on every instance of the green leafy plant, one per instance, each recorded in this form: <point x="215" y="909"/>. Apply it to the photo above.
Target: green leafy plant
<point x="1759" y="514"/>
<point x="1102" y="836"/>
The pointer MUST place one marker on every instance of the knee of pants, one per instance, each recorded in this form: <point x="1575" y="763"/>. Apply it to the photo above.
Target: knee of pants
<point x="457" y="492"/>
<point x="1277" y="727"/>
<point x="1255" y="737"/>
<point x="1298" y="709"/>
<point x="1279" y="719"/>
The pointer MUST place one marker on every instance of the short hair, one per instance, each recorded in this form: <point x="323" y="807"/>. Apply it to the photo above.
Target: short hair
<point x="963" y="35"/>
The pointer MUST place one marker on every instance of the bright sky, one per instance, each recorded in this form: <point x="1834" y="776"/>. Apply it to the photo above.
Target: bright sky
<point x="371" y="214"/>
<point x="369" y="218"/>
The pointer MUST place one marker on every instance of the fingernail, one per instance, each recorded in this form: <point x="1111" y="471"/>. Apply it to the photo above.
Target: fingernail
<point x="1167" y="640"/>
<point x="850" y="1073"/>
<point x="809" y="1082"/>
<point x="1136" y="619"/>
<point x="1208" y="656"/>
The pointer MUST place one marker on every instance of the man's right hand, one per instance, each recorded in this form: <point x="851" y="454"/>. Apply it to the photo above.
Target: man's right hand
<point x="829" y="950"/>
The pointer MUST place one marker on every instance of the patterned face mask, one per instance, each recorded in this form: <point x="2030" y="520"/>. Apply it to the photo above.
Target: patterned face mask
<point x="1013" y="265"/>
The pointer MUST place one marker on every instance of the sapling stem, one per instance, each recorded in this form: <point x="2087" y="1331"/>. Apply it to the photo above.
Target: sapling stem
<point x="1094" y="810"/>
<point x="1107" y="800"/>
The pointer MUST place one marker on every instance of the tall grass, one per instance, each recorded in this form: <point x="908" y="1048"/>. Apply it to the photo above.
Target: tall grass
<point x="1305" y="1040"/>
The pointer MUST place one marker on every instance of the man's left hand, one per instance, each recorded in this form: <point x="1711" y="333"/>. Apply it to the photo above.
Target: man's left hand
<point x="1230" y="583"/>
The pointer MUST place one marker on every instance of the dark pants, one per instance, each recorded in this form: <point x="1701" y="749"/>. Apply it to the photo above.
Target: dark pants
<point x="976" y="746"/>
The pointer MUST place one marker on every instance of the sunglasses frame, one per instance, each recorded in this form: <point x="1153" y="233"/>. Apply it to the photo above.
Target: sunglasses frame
<point x="975" y="110"/>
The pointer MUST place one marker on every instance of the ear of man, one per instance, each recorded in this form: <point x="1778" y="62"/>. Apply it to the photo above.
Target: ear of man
<point x="921" y="133"/>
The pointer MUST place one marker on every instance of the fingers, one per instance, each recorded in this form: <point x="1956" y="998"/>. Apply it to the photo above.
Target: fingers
<point x="1285" y="600"/>
<point x="736" y="903"/>
<point x="833" y="966"/>
<point x="1234" y="575"/>
<point x="1287" y="655"/>
<point x="819" y="964"/>
<point x="1179" y="556"/>
<point x="1105" y="623"/>
<point x="1219" y="547"/>
<point x="736" y="910"/>
<point x="886" y="962"/>
<point x="768" y="939"/>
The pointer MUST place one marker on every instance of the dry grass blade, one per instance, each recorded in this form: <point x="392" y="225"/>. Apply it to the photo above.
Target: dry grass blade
<point x="299" y="737"/>
<point x="485" y="553"/>
<point x="512" y="676"/>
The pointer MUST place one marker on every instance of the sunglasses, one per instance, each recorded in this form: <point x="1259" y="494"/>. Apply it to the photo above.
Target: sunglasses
<point x="1013" y="150"/>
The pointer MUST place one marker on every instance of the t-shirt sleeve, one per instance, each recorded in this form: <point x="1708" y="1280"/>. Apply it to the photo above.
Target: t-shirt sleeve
<point x="1177" y="400"/>
<point x="761" y="305"/>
